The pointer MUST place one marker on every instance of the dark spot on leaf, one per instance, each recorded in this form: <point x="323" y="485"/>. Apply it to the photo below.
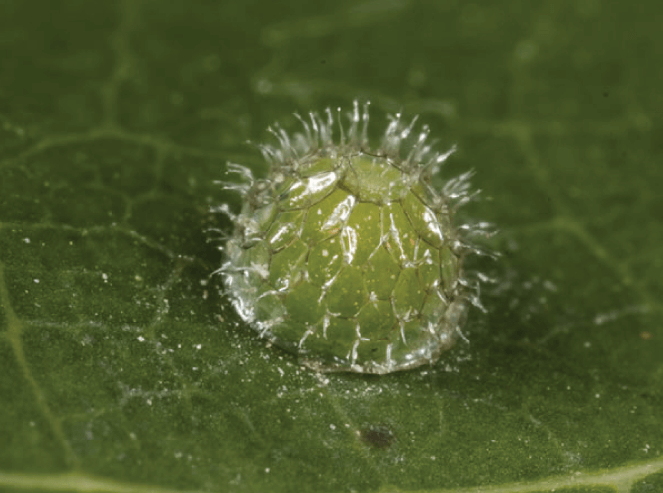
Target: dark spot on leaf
<point x="377" y="436"/>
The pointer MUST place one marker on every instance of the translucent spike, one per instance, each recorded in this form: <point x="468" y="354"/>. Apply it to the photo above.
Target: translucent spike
<point x="340" y="126"/>
<point x="329" y="126"/>
<point x="440" y="295"/>
<point x="224" y="209"/>
<point x="392" y="128"/>
<point x="465" y="198"/>
<point x="415" y="153"/>
<point x="316" y="129"/>
<point x="458" y="186"/>
<point x="221" y="234"/>
<point x="439" y="159"/>
<point x="271" y="130"/>
<point x="476" y="301"/>
<point x="241" y="170"/>
<point x="485" y="226"/>
<point x="354" y="121"/>
<point x="487" y="279"/>
<point x="284" y="139"/>
<point x="443" y="157"/>
<point x="461" y="334"/>
<point x="407" y="130"/>
<point x="422" y="153"/>
<point x="241" y="188"/>
<point x="307" y="128"/>
<point x="425" y="131"/>
<point x="364" y="129"/>
<point x="270" y="154"/>
<point x="277" y="155"/>
<point x="390" y="140"/>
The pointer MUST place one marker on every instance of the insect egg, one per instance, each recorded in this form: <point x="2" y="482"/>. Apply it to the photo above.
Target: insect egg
<point x="345" y="254"/>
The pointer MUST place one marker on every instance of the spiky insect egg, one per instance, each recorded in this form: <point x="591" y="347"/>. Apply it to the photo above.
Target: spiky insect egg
<point x="345" y="254"/>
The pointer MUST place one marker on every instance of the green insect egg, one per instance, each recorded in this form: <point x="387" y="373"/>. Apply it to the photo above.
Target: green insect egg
<point x="345" y="254"/>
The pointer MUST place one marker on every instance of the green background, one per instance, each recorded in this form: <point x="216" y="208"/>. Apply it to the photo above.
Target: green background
<point x="123" y="369"/>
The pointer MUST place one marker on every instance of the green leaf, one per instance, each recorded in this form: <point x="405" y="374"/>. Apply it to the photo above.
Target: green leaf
<point x="122" y="368"/>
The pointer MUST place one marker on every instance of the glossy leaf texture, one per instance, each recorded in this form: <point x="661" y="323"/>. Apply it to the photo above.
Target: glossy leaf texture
<point x="121" y="368"/>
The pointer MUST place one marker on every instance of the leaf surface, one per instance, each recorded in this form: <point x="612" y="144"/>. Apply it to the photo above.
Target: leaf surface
<point x="122" y="367"/>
